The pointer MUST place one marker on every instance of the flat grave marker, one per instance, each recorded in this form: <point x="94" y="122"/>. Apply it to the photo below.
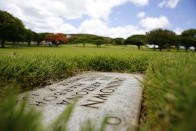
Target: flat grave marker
<point x="115" y="95"/>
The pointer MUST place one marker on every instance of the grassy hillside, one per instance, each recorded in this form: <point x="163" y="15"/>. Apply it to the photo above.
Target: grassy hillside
<point x="169" y="86"/>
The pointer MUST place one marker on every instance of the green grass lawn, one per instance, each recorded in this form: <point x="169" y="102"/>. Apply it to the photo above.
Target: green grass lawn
<point x="169" y="86"/>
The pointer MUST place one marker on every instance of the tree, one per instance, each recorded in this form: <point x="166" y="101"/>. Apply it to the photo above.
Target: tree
<point x="88" y="38"/>
<point x="108" y="40"/>
<point x="29" y="36"/>
<point x="97" y="40"/>
<point x="11" y="28"/>
<point x="178" y="42"/>
<point x="56" y="38"/>
<point x="72" y="39"/>
<point x="38" y="37"/>
<point x="118" y="41"/>
<point x="160" y="37"/>
<point x="189" y="38"/>
<point x="135" y="40"/>
<point x="83" y="40"/>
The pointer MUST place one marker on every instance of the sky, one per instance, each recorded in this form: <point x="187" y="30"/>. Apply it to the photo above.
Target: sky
<point x="111" y="18"/>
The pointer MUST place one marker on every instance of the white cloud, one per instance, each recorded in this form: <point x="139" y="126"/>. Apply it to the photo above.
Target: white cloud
<point x="125" y="31"/>
<point x="169" y="3"/>
<point x="94" y="26"/>
<point x="50" y="15"/>
<point x="141" y="14"/>
<point x="98" y="27"/>
<point x="70" y="9"/>
<point x="178" y="31"/>
<point x="140" y="2"/>
<point x="153" y="22"/>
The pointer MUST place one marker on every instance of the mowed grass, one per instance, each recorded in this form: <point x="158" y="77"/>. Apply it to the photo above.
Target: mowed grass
<point x="30" y="67"/>
<point x="169" y="86"/>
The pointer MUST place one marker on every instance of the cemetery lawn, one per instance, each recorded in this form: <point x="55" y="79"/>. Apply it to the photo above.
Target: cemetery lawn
<point x="169" y="86"/>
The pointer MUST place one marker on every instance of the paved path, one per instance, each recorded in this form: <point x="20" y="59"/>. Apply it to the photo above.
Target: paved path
<point x="116" y="95"/>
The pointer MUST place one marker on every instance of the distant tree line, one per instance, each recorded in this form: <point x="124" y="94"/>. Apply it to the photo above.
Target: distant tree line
<point x="87" y="38"/>
<point x="165" y="39"/>
<point x="12" y="30"/>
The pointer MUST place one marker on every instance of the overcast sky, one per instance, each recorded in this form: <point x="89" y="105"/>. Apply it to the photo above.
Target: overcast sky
<point x="113" y="18"/>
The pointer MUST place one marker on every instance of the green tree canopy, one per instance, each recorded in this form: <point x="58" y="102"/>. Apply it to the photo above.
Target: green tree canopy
<point x="118" y="41"/>
<point x="39" y="37"/>
<point x="160" y="37"/>
<point x="11" y="28"/>
<point x="178" y="42"/>
<point x="29" y="36"/>
<point x="97" y="40"/>
<point x="189" y="38"/>
<point x="135" y="40"/>
<point x="83" y="40"/>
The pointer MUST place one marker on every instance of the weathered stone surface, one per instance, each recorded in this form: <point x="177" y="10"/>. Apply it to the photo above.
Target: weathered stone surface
<point x="116" y="95"/>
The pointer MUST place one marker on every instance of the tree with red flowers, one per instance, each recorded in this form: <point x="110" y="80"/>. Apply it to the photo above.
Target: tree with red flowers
<point x="57" y="38"/>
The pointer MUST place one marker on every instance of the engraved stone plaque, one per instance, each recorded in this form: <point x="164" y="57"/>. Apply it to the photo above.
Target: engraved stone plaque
<point x="100" y="94"/>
